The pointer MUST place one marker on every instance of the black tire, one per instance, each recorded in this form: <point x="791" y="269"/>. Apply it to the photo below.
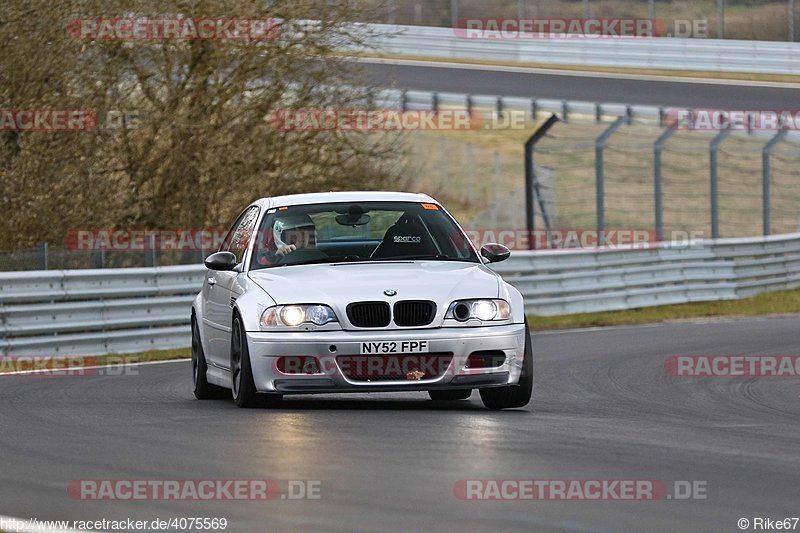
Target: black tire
<point x="242" y="385"/>
<point x="513" y="396"/>
<point x="449" y="395"/>
<point x="203" y="390"/>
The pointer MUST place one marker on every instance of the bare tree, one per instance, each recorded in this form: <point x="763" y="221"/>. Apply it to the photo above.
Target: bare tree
<point x="183" y="135"/>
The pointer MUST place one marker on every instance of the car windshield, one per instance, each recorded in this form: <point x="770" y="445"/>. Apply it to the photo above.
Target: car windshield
<point x="364" y="231"/>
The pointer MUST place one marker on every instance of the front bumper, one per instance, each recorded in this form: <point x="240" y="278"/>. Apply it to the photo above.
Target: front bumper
<point x="265" y="349"/>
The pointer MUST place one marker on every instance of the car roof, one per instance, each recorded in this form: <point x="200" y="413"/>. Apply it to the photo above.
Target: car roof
<point x="349" y="196"/>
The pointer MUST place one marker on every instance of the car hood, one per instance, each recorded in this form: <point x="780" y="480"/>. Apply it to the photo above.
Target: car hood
<point x="342" y="283"/>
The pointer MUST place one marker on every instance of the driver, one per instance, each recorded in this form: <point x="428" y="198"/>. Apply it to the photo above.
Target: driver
<point x="294" y="232"/>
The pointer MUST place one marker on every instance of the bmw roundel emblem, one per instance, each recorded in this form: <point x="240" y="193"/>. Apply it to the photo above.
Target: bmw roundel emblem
<point x="390" y="292"/>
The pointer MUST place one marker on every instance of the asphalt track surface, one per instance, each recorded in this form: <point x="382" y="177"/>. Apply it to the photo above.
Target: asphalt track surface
<point x="608" y="88"/>
<point x="603" y="408"/>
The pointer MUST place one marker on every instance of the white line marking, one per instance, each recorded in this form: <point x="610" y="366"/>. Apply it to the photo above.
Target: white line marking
<point x="579" y="73"/>
<point x="596" y="328"/>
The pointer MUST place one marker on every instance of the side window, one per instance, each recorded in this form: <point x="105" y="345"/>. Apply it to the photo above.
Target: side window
<point x="239" y="237"/>
<point x="226" y="243"/>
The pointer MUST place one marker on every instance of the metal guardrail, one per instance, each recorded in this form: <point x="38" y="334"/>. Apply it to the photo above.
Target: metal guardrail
<point x="538" y="107"/>
<point x="91" y="312"/>
<point x="580" y="281"/>
<point x="430" y="100"/>
<point x="719" y="55"/>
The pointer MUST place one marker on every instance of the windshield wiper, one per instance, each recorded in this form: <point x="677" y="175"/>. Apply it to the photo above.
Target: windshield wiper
<point x="439" y="257"/>
<point x="356" y="258"/>
<point x="335" y="259"/>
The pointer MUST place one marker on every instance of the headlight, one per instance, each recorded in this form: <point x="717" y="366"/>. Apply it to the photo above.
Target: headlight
<point x="485" y="310"/>
<point x="295" y="315"/>
<point x="320" y="314"/>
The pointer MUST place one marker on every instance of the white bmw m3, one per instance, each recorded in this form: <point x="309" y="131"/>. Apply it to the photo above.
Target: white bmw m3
<point x="357" y="292"/>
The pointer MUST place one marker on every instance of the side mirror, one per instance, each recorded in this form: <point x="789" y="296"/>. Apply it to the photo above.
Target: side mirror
<point x="494" y="253"/>
<point x="224" y="261"/>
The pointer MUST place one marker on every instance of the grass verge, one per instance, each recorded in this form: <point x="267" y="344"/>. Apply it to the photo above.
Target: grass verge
<point x="145" y="357"/>
<point x="768" y="303"/>
<point x="74" y="362"/>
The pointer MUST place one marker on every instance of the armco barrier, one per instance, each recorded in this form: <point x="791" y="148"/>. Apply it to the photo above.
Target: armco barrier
<point x="539" y="107"/>
<point x="564" y="282"/>
<point x="92" y="312"/>
<point x="711" y="55"/>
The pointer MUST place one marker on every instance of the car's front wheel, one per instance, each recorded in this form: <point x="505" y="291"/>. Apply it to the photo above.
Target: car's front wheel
<point x="514" y="396"/>
<point x="449" y="395"/>
<point x="242" y="384"/>
<point x="203" y="390"/>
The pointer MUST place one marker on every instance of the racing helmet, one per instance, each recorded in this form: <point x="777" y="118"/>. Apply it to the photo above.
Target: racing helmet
<point x="290" y="222"/>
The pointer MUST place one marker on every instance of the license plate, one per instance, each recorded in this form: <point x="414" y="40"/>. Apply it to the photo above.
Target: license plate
<point x="394" y="347"/>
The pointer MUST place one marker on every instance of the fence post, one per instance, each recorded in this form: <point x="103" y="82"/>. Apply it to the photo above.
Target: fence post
<point x="657" y="183"/>
<point x="435" y="102"/>
<point x="532" y="184"/>
<point x="765" y="177"/>
<point x="150" y="254"/>
<point x="392" y="19"/>
<point x="469" y="160"/>
<point x="99" y="258"/>
<point x="599" y="146"/>
<point x="453" y="13"/>
<point x="496" y="191"/>
<point x="791" y="20"/>
<point x="712" y="152"/>
<point x="445" y="147"/>
<point x="42" y="256"/>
